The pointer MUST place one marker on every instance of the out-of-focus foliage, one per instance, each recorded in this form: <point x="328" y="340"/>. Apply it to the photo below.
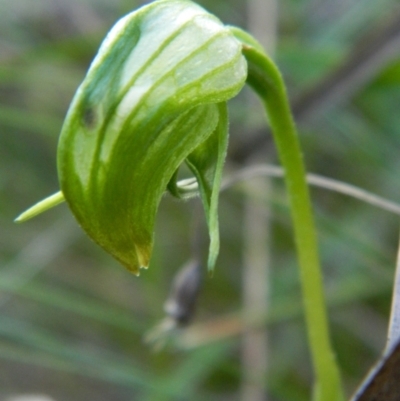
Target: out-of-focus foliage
<point x="72" y="321"/>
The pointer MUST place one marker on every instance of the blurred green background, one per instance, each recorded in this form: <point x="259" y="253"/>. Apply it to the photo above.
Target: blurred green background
<point x="73" y="322"/>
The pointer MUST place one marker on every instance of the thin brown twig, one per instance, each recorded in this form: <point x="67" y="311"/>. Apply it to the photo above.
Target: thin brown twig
<point x="315" y="180"/>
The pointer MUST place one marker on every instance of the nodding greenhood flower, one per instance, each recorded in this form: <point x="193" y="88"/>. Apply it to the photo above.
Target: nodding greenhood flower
<point x="154" y="97"/>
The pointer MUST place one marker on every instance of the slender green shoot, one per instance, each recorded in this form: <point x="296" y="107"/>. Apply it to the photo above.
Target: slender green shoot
<point x="40" y="207"/>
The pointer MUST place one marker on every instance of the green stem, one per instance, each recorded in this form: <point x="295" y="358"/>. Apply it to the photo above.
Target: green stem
<point x="265" y="79"/>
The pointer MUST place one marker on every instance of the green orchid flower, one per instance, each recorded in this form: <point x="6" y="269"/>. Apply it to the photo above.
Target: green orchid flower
<point x="155" y="97"/>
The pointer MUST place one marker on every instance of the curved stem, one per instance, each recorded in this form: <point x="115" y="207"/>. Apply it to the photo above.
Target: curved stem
<point x="265" y="79"/>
